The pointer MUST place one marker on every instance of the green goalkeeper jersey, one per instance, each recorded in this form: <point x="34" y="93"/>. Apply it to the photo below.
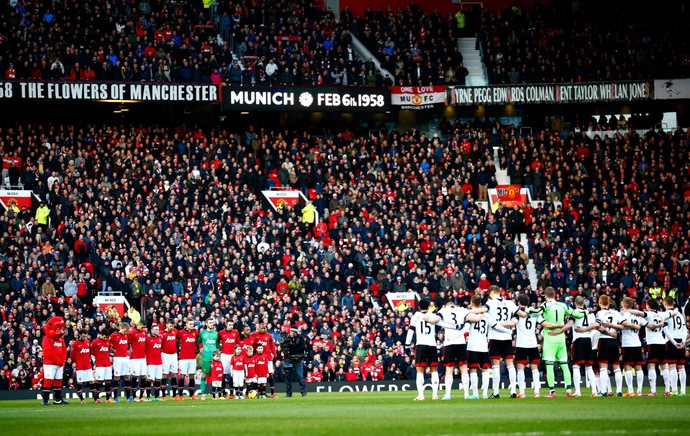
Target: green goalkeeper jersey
<point x="211" y="342"/>
<point x="554" y="312"/>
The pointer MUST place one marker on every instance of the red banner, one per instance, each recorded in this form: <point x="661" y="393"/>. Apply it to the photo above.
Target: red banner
<point x="402" y="301"/>
<point x="282" y="198"/>
<point x="18" y="198"/>
<point x="110" y="303"/>
<point x="510" y="195"/>
<point x="417" y="97"/>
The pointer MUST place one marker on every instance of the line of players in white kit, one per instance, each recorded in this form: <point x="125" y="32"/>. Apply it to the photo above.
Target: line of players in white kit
<point x="480" y="337"/>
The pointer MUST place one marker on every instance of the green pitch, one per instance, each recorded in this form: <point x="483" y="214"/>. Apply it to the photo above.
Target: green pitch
<point x="386" y="413"/>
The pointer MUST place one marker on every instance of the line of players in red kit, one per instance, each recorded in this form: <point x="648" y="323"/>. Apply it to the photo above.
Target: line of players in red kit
<point x="154" y="364"/>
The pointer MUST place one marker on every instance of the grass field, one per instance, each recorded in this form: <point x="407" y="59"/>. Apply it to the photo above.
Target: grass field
<point x="385" y="413"/>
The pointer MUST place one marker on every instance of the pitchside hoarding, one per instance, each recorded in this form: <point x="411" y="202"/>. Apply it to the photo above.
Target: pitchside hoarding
<point x="314" y="99"/>
<point x="319" y="387"/>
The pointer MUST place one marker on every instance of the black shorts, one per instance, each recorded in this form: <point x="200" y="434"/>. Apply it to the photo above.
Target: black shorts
<point x="656" y="353"/>
<point x="501" y="349"/>
<point x="527" y="356"/>
<point x="455" y="355"/>
<point x="632" y="356"/>
<point x="674" y="355"/>
<point x="425" y="355"/>
<point x="477" y="359"/>
<point x="582" y="352"/>
<point x="608" y="352"/>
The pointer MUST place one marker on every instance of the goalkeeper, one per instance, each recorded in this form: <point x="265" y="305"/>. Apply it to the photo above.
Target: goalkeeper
<point x="210" y="340"/>
<point x="554" y="348"/>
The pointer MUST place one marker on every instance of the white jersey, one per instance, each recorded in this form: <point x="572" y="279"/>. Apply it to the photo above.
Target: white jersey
<point x="612" y="317"/>
<point x="676" y="328"/>
<point x="425" y="332"/>
<point x="478" y="338"/>
<point x="656" y="336"/>
<point x="527" y="331"/>
<point x="631" y="337"/>
<point x="583" y="322"/>
<point x="454" y="315"/>
<point x="501" y="310"/>
<point x="595" y="339"/>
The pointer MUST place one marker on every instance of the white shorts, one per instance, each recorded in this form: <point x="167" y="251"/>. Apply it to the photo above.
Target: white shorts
<point x="84" y="375"/>
<point x="137" y="367"/>
<point x="251" y="380"/>
<point x="169" y="363"/>
<point x="225" y="360"/>
<point x="154" y="372"/>
<point x="121" y="366"/>
<point x="261" y="380"/>
<point x="104" y="373"/>
<point x="271" y="368"/>
<point x="52" y="372"/>
<point x="187" y="366"/>
<point x="238" y="378"/>
<point x="217" y="383"/>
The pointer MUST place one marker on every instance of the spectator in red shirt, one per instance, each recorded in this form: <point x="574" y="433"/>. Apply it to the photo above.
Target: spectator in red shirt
<point x="484" y="283"/>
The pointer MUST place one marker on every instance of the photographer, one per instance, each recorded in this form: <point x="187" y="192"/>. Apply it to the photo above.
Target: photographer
<point x="293" y="361"/>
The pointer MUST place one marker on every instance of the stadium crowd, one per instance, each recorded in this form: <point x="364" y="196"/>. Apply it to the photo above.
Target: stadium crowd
<point x="302" y="43"/>
<point x="174" y="219"/>
<point x="567" y="42"/>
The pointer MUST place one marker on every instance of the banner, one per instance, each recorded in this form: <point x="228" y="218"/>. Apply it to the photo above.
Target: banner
<point x="508" y="195"/>
<point x="19" y="198"/>
<point x="551" y="93"/>
<point x="402" y="301"/>
<point x="418" y="97"/>
<point x="313" y="99"/>
<point x="282" y="198"/>
<point x="118" y="303"/>
<point x="317" y="388"/>
<point x="672" y="89"/>
<point x="164" y="92"/>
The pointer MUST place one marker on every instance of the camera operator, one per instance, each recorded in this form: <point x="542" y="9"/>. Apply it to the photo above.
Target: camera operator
<point x="293" y="361"/>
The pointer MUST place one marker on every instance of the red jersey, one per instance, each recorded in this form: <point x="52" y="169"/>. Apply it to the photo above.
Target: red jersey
<point x="100" y="350"/>
<point x="119" y="343"/>
<point x="137" y="343"/>
<point x="245" y="343"/>
<point x="169" y="341"/>
<point x="237" y="363"/>
<point x="187" y="344"/>
<point x="265" y="339"/>
<point x="81" y="355"/>
<point x="261" y="364"/>
<point x="228" y="339"/>
<point x="54" y="351"/>
<point x="154" y="348"/>
<point x="216" y="371"/>
<point x="250" y="365"/>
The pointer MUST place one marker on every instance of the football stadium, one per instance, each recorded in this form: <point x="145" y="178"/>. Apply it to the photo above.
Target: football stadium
<point x="344" y="217"/>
